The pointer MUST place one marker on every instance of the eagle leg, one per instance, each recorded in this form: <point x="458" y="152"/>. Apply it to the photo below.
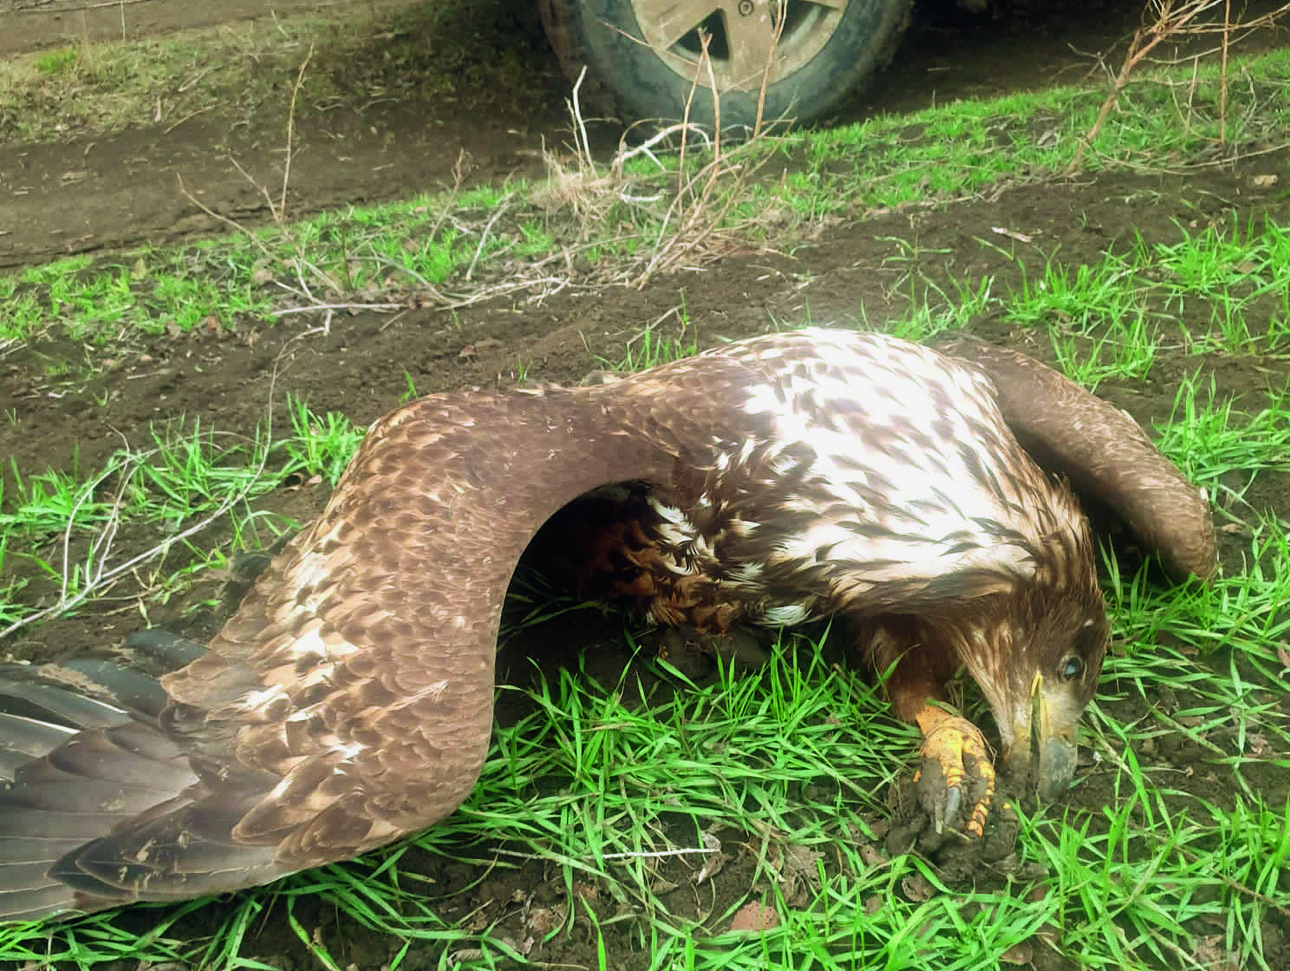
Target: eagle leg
<point x="955" y="755"/>
<point x="956" y="771"/>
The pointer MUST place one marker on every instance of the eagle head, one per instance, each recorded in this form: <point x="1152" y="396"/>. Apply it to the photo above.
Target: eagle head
<point x="1036" y="651"/>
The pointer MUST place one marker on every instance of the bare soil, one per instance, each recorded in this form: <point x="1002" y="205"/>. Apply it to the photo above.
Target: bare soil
<point x="89" y="194"/>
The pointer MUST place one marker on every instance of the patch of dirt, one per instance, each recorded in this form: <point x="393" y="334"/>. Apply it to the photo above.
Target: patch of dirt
<point x="88" y="195"/>
<point x="33" y="25"/>
<point x="373" y="133"/>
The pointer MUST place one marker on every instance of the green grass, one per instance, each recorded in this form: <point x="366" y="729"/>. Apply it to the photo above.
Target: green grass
<point x="420" y="54"/>
<point x="655" y="345"/>
<point x="321" y="445"/>
<point x="1221" y="446"/>
<point x="61" y="525"/>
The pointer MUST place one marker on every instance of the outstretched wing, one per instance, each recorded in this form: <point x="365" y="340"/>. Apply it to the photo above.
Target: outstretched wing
<point x="349" y="700"/>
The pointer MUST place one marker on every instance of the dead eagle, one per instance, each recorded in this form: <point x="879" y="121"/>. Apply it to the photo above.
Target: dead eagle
<point x="816" y="473"/>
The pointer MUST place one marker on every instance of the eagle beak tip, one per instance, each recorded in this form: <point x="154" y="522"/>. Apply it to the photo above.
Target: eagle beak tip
<point x="1057" y="757"/>
<point x="1044" y="749"/>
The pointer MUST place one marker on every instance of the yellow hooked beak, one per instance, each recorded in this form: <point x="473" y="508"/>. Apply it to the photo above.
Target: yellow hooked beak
<point x="1044" y="737"/>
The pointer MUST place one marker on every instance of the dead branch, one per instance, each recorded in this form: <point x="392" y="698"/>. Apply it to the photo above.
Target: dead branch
<point x="1172" y="21"/>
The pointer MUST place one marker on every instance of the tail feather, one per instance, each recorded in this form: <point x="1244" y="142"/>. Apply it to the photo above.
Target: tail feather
<point x="26" y="877"/>
<point x="145" y="741"/>
<point x="18" y="824"/>
<point x="175" y="868"/>
<point x="30" y="849"/>
<point x="134" y="690"/>
<point x="68" y="684"/>
<point x="11" y="761"/>
<point x="44" y="707"/>
<point x="94" y="754"/>
<point x="81" y="796"/>
<point x="35" y="903"/>
<point x="170" y="650"/>
<point x="60" y="706"/>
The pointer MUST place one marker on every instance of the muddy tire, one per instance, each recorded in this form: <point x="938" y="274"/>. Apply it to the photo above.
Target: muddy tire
<point x="641" y="67"/>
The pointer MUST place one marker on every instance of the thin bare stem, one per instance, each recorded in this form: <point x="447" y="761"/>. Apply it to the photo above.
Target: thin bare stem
<point x="1171" y="22"/>
<point x="291" y="130"/>
<point x="1222" y="73"/>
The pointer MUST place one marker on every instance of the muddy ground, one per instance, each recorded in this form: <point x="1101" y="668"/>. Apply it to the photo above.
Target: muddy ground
<point x="87" y="194"/>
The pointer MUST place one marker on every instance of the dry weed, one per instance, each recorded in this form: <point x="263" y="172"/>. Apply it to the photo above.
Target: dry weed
<point x="1172" y="21"/>
<point x="695" y="225"/>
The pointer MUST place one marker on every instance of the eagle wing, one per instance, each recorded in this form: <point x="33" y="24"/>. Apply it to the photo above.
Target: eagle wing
<point x="1103" y="452"/>
<point x="349" y="700"/>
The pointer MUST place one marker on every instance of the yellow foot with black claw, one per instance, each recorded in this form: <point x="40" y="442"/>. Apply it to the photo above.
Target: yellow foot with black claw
<point x="956" y="763"/>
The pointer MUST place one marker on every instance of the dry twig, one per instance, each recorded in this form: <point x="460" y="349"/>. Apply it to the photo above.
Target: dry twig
<point x="1172" y="21"/>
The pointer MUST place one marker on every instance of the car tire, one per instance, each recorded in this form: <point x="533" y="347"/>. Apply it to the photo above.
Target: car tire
<point x="826" y="52"/>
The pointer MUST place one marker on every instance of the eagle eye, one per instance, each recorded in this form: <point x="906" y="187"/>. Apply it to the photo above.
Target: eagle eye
<point x="1072" y="668"/>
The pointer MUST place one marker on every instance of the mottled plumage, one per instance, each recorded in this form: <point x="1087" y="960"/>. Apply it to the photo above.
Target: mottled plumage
<point x="349" y="700"/>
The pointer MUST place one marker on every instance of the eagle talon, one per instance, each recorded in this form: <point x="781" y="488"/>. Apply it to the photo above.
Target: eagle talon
<point x="953" y="797"/>
<point x="955" y="758"/>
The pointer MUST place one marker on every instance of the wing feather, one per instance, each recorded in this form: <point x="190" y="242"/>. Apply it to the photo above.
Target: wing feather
<point x="1104" y="453"/>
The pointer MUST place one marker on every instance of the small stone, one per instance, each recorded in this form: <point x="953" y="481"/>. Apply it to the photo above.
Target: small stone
<point x="754" y="917"/>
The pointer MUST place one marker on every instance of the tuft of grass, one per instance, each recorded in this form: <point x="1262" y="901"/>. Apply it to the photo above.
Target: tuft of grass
<point x="1220" y="447"/>
<point x="1125" y="350"/>
<point x="62" y="525"/>
<point x="321" y="445"/>
<point x="1078" y="298"/>
<point x="651" y="347"/>
<point x="56" y="62"/>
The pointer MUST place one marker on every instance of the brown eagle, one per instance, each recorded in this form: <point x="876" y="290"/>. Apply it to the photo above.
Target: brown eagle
<point x="817" y="473"/>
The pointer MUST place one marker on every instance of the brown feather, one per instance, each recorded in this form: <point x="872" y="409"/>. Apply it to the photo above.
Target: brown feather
<point x="1104" y="453"/>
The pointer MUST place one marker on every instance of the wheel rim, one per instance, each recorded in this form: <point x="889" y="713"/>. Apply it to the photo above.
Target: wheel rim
<point x="741" y="36"/>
